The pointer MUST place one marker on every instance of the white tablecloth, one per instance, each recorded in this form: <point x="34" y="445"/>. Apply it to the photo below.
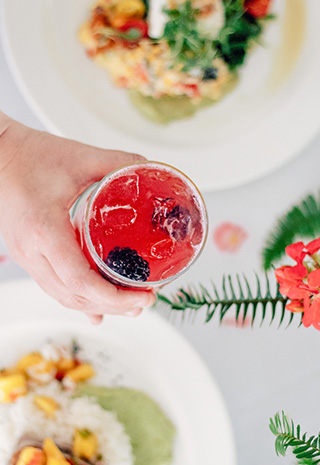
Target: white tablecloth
<point x="260" y="370"/>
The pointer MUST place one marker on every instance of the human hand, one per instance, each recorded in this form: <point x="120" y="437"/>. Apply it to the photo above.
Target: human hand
<point x="41" y="176"/>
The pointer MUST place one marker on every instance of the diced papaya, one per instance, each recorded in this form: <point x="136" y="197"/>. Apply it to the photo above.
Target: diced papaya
<point x="85" y="444"/>
<point x="46" y="404"/>
<point x="31" y="456"/>
<point x="80" y="373"/>
<point x="12" y="387"/>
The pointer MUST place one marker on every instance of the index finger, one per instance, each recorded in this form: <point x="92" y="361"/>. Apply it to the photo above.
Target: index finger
<point x="68" y="261"/>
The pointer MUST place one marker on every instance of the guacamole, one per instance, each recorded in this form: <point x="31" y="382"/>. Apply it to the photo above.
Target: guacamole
<point x="151" y="432"/>
<point x="166" y="109"/>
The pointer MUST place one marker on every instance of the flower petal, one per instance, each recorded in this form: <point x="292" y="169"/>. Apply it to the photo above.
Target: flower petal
<point x="314" y="279"/>
<point x="312" y="315"/>
<point x="295" y="306"/>
<point x="313" y="246"/>
<point x="296" y="251"/>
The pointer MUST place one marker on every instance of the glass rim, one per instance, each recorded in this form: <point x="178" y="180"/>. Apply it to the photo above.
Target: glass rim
<point x="98" y="260"/>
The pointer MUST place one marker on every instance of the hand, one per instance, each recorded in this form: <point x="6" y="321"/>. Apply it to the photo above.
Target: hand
<point x="41" y="176"/>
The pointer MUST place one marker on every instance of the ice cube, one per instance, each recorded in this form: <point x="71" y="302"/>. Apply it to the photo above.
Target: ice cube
<point x="162" y="207"/>
<point x="162" y="249"/>
<point x="117" y="217"/>
<point x="122" y="190"/>
<point x="177" y="223"/>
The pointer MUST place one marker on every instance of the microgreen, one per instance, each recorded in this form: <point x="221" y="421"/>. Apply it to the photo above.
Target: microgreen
<point x="193" y="50"/>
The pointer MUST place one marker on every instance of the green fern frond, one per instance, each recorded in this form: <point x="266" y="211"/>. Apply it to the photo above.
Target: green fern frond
<point x="235" y="294"/>
<point x="306" y="449"/>
<point x="302" y="221"/>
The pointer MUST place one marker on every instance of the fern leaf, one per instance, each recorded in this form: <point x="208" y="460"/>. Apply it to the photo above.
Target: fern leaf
<point x="236" y="294"/>
<point x="302" y="221"/>
<point x="306" y="450"/>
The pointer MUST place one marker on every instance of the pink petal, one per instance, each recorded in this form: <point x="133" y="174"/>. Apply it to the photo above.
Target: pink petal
<point x="229" y="237"/>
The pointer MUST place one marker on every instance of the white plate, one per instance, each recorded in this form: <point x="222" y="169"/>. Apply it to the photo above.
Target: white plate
<point x="144" y="353"/>
<point x="265" y="121"/>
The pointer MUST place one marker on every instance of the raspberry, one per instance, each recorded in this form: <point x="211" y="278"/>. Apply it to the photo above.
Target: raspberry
<point x="177" y="222"/>
<point x="128" y="263"/>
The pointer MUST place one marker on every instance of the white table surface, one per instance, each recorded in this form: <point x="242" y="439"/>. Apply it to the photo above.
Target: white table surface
<point x="260" y="370"/>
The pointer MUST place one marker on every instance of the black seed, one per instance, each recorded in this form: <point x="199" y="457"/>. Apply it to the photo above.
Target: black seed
<point x="128" y="263"/>
<point x="209" y="74"/>
<point x="177" y="223"/>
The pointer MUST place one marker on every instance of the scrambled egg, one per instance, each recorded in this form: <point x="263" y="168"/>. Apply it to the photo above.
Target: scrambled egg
<point x="148" y="65"/>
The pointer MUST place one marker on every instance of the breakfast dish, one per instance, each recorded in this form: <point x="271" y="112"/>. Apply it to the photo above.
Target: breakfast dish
<point x="51" y="415"/>
<point x="175" y="59"/>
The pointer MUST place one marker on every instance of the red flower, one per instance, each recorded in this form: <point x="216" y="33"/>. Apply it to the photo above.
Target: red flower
<point x="301" y="282"/>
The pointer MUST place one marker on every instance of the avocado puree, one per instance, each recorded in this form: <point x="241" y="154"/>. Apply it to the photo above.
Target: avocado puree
<point x="151" y="432"/>
<point x="166" y="109"/>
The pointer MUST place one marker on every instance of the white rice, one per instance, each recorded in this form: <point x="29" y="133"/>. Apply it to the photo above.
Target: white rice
<point x="24" y="417"/>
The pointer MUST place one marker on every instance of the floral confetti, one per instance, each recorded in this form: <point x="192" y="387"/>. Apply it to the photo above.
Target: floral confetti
<point x="229" y="237"/>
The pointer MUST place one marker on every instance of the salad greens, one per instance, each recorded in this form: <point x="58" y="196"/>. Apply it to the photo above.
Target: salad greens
<point x="194" y="51"/>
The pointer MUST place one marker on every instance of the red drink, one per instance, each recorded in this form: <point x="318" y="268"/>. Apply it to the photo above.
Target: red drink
<point x="143" y="225"/>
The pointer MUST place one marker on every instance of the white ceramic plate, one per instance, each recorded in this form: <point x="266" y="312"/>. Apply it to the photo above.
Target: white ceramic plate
<point x="144" y="353"/>
<point x="265" y="121"/>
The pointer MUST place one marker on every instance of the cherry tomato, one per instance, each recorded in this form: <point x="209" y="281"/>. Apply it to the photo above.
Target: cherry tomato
<point x="135" y="29"/>
<point x="257" y="8"/>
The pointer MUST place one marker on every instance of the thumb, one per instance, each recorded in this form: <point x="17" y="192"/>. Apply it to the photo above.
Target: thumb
<point x="99" y="162"/>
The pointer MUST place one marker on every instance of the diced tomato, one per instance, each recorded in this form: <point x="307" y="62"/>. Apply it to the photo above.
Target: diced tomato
<point x="192" y="90"/>
<point x="138" y="25"/>
<point x="257" y="8"/>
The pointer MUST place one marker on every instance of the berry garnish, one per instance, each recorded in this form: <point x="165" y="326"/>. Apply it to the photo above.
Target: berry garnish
<point x="128" y="263"/>
<point x="210" y="74"/>
<point x="177" y="222"/>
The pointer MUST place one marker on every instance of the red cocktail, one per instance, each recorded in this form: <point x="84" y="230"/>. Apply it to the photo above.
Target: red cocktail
<point x="142" y="225"/>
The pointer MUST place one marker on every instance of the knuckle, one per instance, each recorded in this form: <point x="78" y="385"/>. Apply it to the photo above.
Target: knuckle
<point x="76" y="302"/>
<point x="77" y="285"/>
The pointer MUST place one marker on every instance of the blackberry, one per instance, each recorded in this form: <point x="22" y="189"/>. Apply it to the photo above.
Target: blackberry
<point x="128" y="263"/>
<point x="177" y="222"/>
<point x="209" y="74"/>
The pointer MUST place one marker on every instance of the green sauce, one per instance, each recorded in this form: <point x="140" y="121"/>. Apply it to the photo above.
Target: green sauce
<point x="151" y="432"/>
<point x="166" y="109"/>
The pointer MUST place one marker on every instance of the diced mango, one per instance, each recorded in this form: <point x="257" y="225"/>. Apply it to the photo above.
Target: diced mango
<point x="53" y="454"/>
<point x="130" y="8"/>
<point x="29" y="360"/>
<point x="85" y="444"/>
<point x="65" y="364"/>
<point x="31" y="456"/>
<point x="53" y="461"/>
<point x="12" y="387"/>
<point x="46" y="404"/>
<point x="80" y="373"/>
<point x="37" y="367"/>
